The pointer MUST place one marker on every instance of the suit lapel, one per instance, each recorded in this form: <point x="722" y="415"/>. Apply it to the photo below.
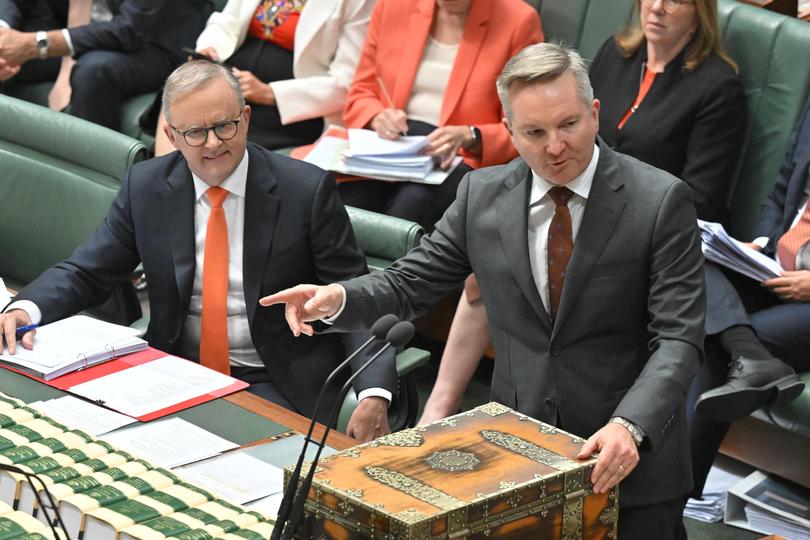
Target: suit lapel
<point x="512" y="208"/>
<point x="417" y="35"/>
<point x="178" y="213"/>
<point x="475" y="30"/>
<point x="605" y="205"/>
<point x="261" y="213"/>
<point x="310" y="23"/>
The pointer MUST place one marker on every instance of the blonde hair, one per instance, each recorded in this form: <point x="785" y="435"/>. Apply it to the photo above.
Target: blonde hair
<point x="707" y="38"/>
<point x="543" y="62"/>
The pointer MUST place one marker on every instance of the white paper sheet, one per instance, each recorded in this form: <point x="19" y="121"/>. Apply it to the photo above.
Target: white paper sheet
<point x="170" y="443"/>
<point x="236" y="477"/>
<point x="80" y="414"/>
<point x="153" y="386"/>
<point x="366" y="142"/>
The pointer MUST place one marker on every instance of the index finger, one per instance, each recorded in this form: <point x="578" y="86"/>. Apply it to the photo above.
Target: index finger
<point x="293" y="294"/>
<point x="9" y="331"/>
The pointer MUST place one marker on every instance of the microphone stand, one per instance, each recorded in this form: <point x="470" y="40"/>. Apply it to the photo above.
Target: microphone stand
<point x="379" y="330"/>
<point x="398" y="336"/>
<point x="33" y="479"/>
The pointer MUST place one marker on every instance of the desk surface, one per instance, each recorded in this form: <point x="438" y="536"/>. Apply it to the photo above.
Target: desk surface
<point x="242" y="417"/>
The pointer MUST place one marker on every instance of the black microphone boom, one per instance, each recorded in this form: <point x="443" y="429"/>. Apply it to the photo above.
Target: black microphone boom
<point x="379" y="331"/>
<point x="398" y="336"/>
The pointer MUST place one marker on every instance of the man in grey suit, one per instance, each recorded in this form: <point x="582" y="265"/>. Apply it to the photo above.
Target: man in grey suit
<point x="590" y="268"/>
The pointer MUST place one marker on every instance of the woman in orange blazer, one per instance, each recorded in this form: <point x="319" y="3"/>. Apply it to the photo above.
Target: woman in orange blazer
<point x="429" y="67"/>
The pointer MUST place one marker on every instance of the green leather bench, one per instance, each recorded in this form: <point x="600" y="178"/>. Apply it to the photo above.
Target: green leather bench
<point x="58" y="177"/>
<point x="772" y="52"/>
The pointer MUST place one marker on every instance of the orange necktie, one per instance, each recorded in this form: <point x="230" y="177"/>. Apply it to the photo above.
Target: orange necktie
<point x="560" y="245"/>
<point x="792" y="241"/>
<point x="214" y="326"/>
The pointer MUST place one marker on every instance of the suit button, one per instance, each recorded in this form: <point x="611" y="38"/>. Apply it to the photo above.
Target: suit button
<point x="555" y="350"/>
<point x="549" y="402"/>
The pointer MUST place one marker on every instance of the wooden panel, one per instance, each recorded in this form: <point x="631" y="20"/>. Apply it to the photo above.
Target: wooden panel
<point x="769" y="448"/>
<point x="286" y="417"/>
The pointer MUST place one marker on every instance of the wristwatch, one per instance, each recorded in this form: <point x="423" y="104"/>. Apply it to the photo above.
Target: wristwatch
<point x="475" y="133"/>
<point x="42" y="44"/>
<point x="635" y="431"/>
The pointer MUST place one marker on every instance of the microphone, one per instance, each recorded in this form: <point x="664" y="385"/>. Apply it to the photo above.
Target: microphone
<point x="398" y="336"/>
<point x="379" y="331"/>
<point x="56" y="520"/>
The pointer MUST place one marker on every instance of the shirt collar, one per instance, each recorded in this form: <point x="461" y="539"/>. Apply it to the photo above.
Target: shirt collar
<point x="581" y="185"/>
<point x="234" y="184"/>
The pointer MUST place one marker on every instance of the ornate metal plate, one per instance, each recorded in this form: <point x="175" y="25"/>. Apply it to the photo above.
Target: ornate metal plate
<point x="529" y="450"/>
<point x="453" y="461"/>
<point x="414" y="488"/>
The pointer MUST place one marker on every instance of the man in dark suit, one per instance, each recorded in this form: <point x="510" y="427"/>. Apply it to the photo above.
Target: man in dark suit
<point x="777" y="310"/>
<point x="217" y="225"/>
<point x="590" y="268"/>
<point x="128" y="49"/>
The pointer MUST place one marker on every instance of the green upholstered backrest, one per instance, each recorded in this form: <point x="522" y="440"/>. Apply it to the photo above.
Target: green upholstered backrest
<point x="383" y="238"/>
<point x="58" y="177"/>
<point x="583" y="24"/>
<point x="67" y="139"/>
<point x="773" y="53"/>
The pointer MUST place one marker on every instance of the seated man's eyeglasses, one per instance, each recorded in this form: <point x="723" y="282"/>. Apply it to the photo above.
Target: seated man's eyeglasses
<point x="224" y="131"/>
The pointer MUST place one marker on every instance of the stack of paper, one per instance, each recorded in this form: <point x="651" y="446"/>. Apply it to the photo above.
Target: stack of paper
<point x="370" y="154"/>
<point x="724" y="250"/>
<point x="362" y="153"/>
<point x="711" y="507"/>
<point x="73" y="343"/>
<point x="763" y="521"/>
<point x="769" y="505"/>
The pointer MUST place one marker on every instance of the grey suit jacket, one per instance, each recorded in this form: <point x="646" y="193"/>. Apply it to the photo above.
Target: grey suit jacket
<point x="629" y="332"/>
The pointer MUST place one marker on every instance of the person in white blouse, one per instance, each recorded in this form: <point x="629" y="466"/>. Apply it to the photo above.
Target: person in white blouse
<point x="294" y="63"/>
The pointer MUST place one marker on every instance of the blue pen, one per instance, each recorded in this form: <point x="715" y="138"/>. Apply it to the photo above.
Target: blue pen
<point x="26" y="328"/>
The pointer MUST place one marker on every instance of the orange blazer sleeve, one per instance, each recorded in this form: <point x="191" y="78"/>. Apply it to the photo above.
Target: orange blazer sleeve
<point x="496" y="143"/>
<point x="494" y="32"/>
<point x="364" y="99"/>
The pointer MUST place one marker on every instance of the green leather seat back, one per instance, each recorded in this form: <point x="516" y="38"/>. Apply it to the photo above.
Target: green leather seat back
<point x="583" y="24"/>
<point x="602" y="20"/>
<point x="58" y="177"/>
<point x="773" y="54"/>
<point x="383" y="238"/>
<point x="67" y="139"/>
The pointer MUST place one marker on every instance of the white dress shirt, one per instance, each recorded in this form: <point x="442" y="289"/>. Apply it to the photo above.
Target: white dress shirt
<point x="541" y="211"/>
<point x="240" y="345"/>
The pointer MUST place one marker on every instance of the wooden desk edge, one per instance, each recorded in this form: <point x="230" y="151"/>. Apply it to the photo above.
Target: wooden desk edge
<point x="295" y="421"/>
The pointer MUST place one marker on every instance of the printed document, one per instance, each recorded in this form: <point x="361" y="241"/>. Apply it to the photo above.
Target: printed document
<point x="80" y="414"/>
<point x="169" y="443"/>
<point x="153" y="386"/>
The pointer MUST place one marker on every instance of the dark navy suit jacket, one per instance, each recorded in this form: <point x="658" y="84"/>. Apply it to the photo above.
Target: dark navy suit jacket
<point x="296" y="231"/>
<point x="780" y="207"/>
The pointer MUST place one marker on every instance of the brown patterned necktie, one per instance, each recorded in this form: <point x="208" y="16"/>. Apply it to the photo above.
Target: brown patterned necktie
<point x="560" y="245"/>
<point x="792" y="241"/>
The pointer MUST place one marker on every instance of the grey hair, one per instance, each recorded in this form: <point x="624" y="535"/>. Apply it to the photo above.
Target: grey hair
<point x="192" y="75"/>
<point x="543" y="62"/>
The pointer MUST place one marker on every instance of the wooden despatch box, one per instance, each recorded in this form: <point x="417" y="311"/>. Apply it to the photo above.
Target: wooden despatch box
<point x="487" y="473"/>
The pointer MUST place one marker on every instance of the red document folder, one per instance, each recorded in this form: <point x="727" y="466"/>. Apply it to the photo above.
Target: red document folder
<point x="66" y="382"/>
